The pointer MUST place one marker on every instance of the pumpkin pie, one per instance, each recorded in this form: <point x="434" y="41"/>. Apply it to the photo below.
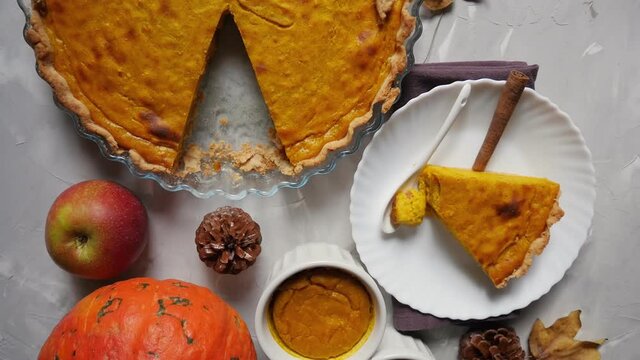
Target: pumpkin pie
<point x="502" y="220"/>
<point x="131" y="70"/>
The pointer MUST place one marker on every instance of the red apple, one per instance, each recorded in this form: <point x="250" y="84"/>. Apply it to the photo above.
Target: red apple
<point x="96" y="229"/>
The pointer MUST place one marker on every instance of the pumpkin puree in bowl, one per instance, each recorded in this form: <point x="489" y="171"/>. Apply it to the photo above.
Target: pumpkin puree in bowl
<point x="322" y="313"/>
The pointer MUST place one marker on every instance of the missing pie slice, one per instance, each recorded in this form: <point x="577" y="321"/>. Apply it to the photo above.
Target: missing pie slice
<point x="130" y="70"/>
<point x="501" y="220"/>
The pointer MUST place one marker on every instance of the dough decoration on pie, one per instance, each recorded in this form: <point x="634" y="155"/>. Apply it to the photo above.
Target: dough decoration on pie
<point x="131" y="70"/>
<point x="502" y="220"/>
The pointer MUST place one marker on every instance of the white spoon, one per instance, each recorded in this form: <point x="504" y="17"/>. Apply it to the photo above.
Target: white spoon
<point x="411" y="177"/>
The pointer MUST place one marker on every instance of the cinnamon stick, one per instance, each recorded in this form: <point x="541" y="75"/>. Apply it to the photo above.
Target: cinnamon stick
<point x="511" y="93"/>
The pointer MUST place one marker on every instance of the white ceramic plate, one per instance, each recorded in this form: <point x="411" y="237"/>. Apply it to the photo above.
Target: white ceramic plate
<point x="425" y="267"/>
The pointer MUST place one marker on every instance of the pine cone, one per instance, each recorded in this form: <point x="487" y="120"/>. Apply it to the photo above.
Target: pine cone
<point x="492" y="344"/>
<point x="228" y="240"/>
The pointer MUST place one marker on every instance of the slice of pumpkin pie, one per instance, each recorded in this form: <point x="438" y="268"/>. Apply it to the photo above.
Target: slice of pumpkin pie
<point x="502" y="220"/>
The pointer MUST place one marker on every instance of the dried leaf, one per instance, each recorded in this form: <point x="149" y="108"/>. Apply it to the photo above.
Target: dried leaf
<point x="557" y="341"/>
<point x="437" y="5"/>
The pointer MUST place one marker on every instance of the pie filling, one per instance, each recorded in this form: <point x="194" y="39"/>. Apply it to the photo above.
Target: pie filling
<point x="131" y="70"/>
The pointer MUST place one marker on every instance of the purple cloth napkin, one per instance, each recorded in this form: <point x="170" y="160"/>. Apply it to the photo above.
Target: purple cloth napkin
<point x="422" y="78"/>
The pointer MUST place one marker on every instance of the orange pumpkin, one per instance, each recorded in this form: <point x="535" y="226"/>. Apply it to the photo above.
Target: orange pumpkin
<point x="144" y="318"/>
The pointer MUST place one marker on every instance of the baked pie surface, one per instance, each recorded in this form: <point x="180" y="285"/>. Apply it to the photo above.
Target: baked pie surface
<point x="502" y="220"/>
<point x="130" y="71"/>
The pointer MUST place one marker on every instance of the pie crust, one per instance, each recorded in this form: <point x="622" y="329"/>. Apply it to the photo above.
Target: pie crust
<point x="537" y="246"/>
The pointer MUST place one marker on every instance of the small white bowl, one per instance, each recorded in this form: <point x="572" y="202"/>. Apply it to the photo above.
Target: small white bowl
<point x="314" y="255"/>
<point x="395" y="346"/>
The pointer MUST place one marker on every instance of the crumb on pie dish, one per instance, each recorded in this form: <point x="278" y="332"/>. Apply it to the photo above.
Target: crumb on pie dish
<point x="131" y="71"/>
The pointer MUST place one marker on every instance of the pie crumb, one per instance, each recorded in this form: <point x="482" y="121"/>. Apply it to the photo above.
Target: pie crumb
<point x="257" y="158"/>
<point x="191" y="160"/>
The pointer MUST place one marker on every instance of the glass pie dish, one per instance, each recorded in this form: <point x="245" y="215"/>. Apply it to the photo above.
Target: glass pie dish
<point x="233" y="113"/>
